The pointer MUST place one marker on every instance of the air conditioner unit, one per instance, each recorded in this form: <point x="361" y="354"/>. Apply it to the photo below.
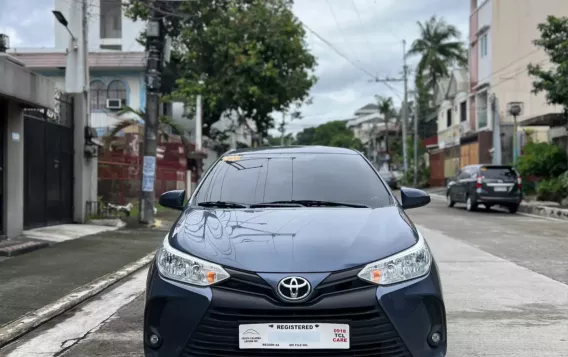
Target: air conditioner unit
<point x="114" y="104"/>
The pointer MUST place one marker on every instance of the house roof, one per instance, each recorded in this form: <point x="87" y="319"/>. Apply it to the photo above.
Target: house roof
<point x="457" y="78"/>
<point x="367" y="109"/>
<point x="97" y="60"/>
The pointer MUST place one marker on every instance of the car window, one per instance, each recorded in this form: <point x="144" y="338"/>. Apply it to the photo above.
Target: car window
<point x="503" y="173"/>
<point x="325" y="177"/>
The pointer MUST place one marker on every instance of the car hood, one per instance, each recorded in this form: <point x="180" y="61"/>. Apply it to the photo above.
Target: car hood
<point x="293" y="240"/>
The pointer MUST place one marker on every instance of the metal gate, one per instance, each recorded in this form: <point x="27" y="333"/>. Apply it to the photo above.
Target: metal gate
<point x="48" y="164"/>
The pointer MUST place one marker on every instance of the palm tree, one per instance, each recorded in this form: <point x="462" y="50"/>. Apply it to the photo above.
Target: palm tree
<point x="440" y="47"/>
<point x="165" y="122"/>
<point x="386" y="109"/>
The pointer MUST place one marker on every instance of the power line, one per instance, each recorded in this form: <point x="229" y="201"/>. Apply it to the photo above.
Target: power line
<point x="330" y="45"/>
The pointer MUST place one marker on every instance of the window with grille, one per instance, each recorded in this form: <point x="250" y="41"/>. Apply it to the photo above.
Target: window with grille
<point x="117" y="90"/>
<point x="98" y="91"/>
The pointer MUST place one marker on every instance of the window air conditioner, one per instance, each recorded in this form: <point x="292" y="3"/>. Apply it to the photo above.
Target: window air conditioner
<point x="114" y="104"/>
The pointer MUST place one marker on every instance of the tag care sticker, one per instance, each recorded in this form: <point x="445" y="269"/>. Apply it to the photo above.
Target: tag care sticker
<point x="232" y="158"/>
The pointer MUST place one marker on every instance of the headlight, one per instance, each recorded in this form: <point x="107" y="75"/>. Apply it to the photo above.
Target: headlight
<point x="408" y="264"/>
<point x="179" y="266"/>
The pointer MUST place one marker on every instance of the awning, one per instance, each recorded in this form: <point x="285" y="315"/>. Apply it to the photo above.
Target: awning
<point x="550" y="119"/>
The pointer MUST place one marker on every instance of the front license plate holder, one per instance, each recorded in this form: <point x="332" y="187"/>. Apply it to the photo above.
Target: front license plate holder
<point x="295" y="336"/>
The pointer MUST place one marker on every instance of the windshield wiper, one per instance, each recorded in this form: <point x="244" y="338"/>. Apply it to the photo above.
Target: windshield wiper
<point x="275" y="204"/>
<point x="222" y="204"/>
<point x="308" y="203"/>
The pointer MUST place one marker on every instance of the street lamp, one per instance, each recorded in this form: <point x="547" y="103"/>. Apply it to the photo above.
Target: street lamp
<point x="4" y="42"/>
<point x="515" y="109"/>
<point x="63" y="21"/>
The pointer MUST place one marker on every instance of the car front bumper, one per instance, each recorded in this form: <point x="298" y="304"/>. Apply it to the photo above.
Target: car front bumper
<point x="394" y="321"/>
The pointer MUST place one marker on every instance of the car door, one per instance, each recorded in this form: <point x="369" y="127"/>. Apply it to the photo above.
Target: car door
<point x="465" y="182"/>
<point x="453" y="188"/>
<point x="458" y="186"/>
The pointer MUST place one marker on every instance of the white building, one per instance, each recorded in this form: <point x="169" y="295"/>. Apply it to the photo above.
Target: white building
<point x="109" y="28"/>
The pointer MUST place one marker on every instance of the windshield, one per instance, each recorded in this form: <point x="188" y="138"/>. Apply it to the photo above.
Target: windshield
<point x="499" y="173"/>
<point x="324" y="177"/>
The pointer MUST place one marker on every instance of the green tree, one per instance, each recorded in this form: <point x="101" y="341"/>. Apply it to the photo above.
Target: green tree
<point x="248" y="58"/>
<point x="439" y="47"/>
<point x="336" y="133"/>
<point x="554" y="41"/>
<point x="306" y="136"/>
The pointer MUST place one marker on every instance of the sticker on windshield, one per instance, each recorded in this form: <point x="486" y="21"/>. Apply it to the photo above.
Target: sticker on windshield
<point x="232" y="158"/>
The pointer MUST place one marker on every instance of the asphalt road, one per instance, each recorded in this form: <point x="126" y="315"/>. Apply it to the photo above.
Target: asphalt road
<point x="505" y="283"/>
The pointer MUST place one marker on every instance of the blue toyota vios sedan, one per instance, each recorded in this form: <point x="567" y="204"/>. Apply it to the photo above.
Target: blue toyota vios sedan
<point x="294" y="251"/>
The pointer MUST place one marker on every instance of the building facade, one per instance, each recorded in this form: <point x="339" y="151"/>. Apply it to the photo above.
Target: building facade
<point x="115" y="78"/>
<point x="109" y="28"/>
<point x="500" y="49"/>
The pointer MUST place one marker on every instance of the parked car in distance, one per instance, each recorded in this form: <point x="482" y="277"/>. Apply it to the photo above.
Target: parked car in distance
<point x="294" y="252"/>
<point x="389" y="178"/>
<point x="487" y="185"/>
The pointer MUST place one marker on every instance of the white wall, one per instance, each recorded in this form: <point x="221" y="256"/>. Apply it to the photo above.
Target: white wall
<point x="130" y="30"/>
<point x="100" y="119"/>
<point x="484" y="63"/>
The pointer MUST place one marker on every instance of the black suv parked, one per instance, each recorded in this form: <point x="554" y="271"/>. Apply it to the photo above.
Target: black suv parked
<point x="489" y="185"/>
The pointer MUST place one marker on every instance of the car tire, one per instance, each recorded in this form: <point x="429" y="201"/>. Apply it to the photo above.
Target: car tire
<point x="469" y="204"/>
<point x="487" y="207"/>
<point x="449" y="200"/>
<point x="513" y="208"/>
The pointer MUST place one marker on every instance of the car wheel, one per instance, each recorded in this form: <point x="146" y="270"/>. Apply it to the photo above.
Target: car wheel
<point x="513" y="208"/>
<point x="449" y="200"/>
<point x="487" y="207"/>
<point x="470" y="205"/>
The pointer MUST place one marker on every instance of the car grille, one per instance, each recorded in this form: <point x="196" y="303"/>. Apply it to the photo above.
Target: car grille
<point x="372" y="334"/>
<point x="252" y="284"/>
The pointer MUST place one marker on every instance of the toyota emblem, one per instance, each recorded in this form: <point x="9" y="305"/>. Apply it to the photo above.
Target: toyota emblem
<point x="294" y="288"/>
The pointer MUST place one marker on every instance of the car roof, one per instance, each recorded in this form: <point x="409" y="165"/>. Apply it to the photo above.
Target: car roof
<point x="283" y="150"/>
<point x="488" y="165"/>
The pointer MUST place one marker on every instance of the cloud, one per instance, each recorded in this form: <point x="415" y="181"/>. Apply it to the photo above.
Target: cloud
<point x="368" y="32"/>
<point x="29" y="23"/>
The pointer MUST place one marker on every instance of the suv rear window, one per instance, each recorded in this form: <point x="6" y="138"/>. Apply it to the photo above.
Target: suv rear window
<point x="326" y="177"/>
<point x="503" y="173"/>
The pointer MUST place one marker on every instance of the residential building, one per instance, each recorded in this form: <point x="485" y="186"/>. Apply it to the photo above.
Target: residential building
<point x="370" y="128"/>
<point x="500" y="48"/>
<point x="116" y="81"/>
<point x="109" y="28"/>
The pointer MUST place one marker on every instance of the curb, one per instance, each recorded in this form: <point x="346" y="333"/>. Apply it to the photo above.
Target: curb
<point x="31" y="320"/>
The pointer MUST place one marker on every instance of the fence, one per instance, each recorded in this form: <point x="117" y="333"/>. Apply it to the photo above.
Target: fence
<point x="120" y="172"/>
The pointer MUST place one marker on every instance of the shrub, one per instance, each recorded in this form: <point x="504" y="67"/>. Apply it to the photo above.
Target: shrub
<point x="542" y="160"/>
<point x="553" y="189"/>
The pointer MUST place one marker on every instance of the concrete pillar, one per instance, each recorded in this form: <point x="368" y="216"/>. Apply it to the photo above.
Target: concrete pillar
<point x="84" y="169"/>
<point x="13" y="169"/>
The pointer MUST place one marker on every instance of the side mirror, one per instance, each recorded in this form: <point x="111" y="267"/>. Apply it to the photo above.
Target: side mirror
<point x="413" y="198"/>
<point x="173" y="199"/>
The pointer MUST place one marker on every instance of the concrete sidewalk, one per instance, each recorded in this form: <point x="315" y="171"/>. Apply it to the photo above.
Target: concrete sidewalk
<point x="35" y="279"/>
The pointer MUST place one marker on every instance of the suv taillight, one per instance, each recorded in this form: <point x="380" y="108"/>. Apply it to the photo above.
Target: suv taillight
<point x="479" y="181"/>
<point x="520" y="182"/>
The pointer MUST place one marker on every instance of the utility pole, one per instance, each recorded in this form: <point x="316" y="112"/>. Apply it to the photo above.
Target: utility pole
<point x="404" y="120"/>
<point x="405" y="112"/>
<point x="86" y="91"/>
<point x="199" y="123"/>
<point x="416" y="110"/>
<point x="282" y="129"/>
<point x="153" y="84"/>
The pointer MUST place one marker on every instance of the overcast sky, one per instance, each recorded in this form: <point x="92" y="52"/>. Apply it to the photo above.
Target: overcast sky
<point x="368" y="32"/>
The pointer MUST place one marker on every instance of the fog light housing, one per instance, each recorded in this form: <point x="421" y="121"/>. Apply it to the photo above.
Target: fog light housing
<point x="435" y="336"/>
<point x="154" y="340"/>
